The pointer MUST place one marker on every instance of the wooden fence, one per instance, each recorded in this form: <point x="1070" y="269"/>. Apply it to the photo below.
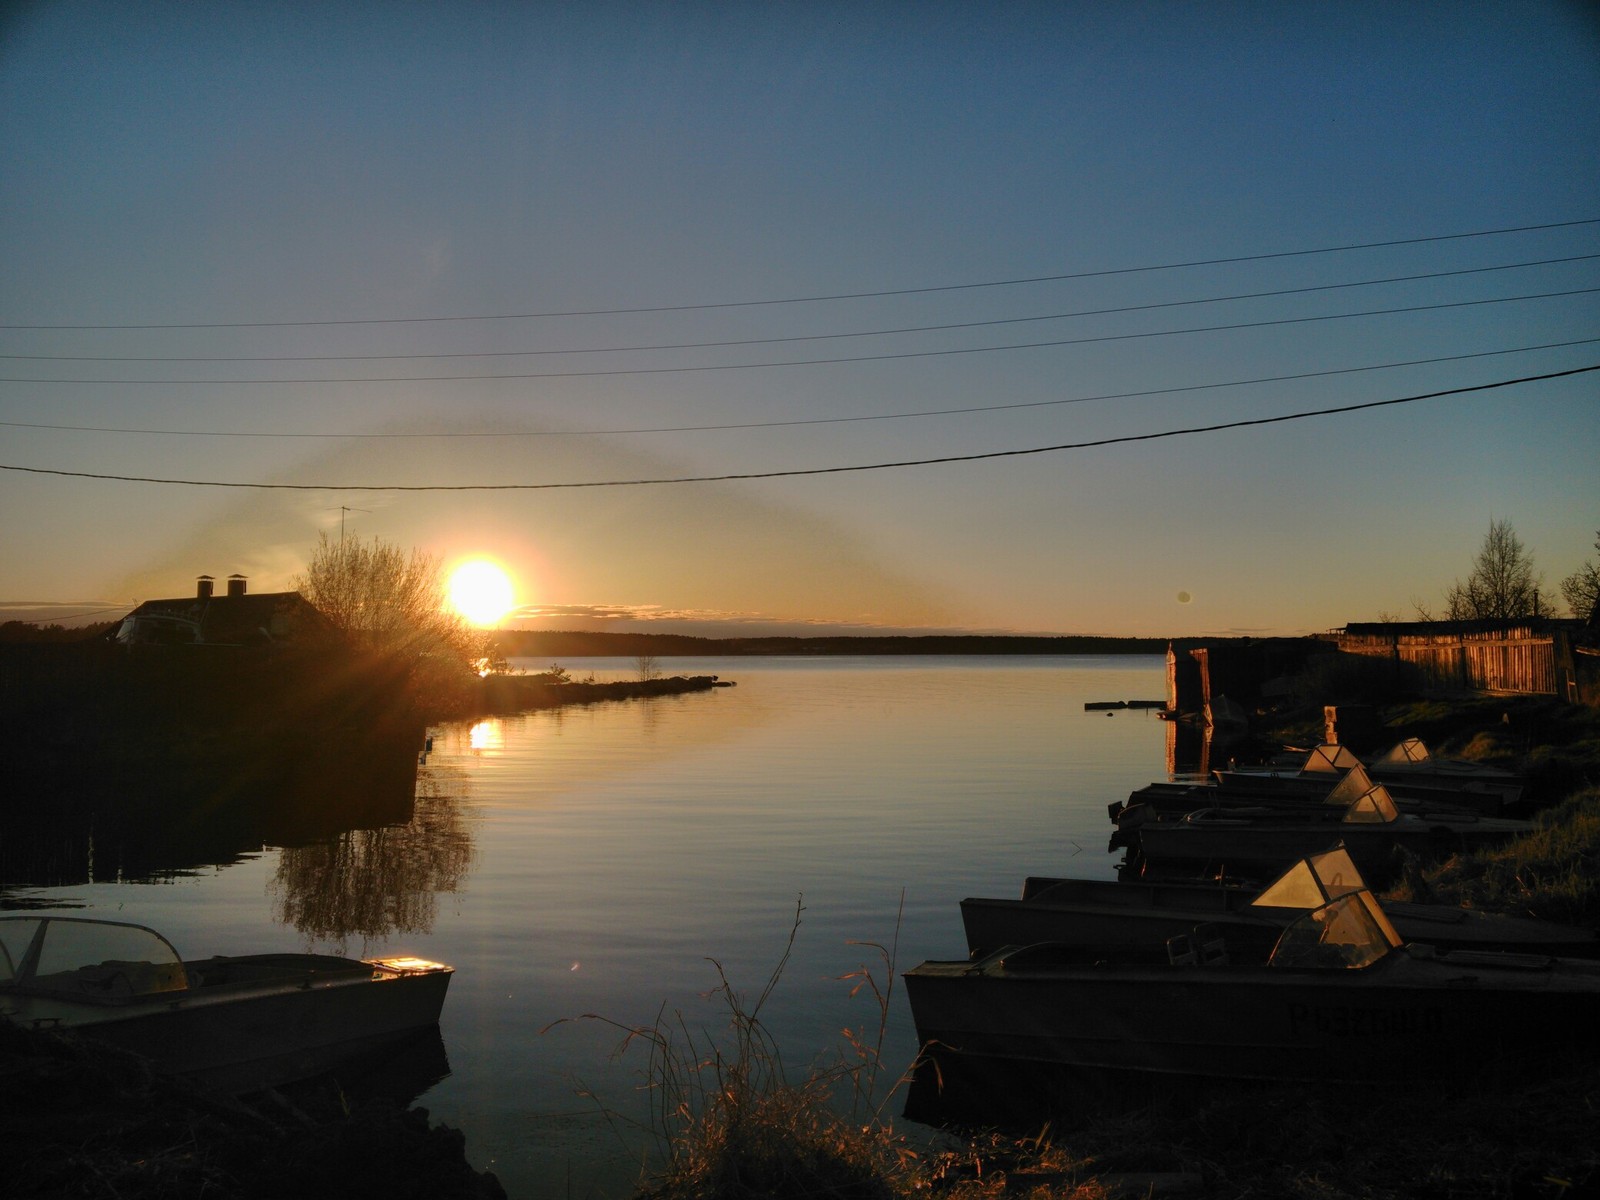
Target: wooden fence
<point x="1517" y="659"/>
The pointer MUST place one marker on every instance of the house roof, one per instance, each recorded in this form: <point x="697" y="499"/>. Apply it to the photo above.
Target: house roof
<point x="227" y="620"/>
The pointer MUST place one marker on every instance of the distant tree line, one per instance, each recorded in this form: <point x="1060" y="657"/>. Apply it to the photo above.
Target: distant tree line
<point x="27" y="631"/>
<point x="579" y="644"/>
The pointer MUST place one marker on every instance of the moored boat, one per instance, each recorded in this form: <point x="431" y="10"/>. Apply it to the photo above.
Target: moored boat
<point x="232" y="1022"/>
<point x="1131" y="917"/>
<point x="1409" y="769"/>
<point x="1302" y="794"/>
<point x="1341" y="998"/>
<point x="1267" y="839"/>
<point x="1412" y="758"/>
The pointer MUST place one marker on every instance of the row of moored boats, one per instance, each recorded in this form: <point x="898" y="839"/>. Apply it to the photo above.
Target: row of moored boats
<point x="1244" y="942"/>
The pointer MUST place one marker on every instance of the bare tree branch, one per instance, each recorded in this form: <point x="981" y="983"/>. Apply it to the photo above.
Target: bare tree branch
<point x="1582" y="587"/>
<point x="1502" y="585"/>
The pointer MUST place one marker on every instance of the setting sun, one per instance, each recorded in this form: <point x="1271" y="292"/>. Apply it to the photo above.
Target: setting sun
<point x="481" y="591"/>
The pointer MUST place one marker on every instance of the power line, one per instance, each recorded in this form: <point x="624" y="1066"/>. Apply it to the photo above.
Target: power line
<point x="937" y="412"/>
<point x="882" y="466"/>
<point x="950" y="287"/>
<point x="813" y="362"/>
<point x="26" y="606"/>
<point x="804" y="337"/>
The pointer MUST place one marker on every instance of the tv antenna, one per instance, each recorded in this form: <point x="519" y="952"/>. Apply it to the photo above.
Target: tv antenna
<point x="345" y="508"/>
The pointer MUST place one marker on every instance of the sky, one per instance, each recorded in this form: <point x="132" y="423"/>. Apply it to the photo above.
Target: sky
<point x="820" y="317"/>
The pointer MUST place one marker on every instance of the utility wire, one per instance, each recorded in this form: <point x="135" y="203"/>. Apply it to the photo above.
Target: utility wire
<point x="896" y="416"/>
<point x="882" y="466"/>
<point x="951" y="287"/>
<point x="804" y="337"/>
<point x="813" y="362"/>
<point x="25" y="605"/>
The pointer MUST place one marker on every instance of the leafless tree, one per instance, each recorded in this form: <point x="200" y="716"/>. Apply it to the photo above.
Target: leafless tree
<point x="1502" y="585"/>
<point x="387" y="600"/>
<point x="648" y="666"/>
<point x="1582" y="587"/>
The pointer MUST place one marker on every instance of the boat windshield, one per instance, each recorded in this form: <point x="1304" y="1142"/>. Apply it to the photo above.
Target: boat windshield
<point x="16" y="935"/>
<point x="1376" y="807"/>
<point x="1355" y="784"/>
<point x="1410" y="753"/>
<point x="1346" y="934"/>
<point x="90" y="959"/>
<point x="1313" y="881"/>
<point x="1330" y="758"/>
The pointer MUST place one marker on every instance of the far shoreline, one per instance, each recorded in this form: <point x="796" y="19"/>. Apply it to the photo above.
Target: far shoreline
<point x="568" y="644"/>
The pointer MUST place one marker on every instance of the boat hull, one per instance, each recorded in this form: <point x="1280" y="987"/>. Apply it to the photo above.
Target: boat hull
<point x="1404" y="1021"/>
<point x="1125" y="917"/>
<point x="1265" y="846"/>
<point x="274" y="1025"/>
<point x="1409" y="789"/>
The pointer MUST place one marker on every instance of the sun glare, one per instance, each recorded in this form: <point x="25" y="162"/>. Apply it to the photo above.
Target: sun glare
<point x="481" y="591"/>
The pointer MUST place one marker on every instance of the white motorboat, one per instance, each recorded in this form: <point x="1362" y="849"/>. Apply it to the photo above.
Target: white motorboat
<point x="233" y="1022"/>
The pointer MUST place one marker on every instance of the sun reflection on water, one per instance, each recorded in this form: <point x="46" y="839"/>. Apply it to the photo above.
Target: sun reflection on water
<point x="487" y="735"/>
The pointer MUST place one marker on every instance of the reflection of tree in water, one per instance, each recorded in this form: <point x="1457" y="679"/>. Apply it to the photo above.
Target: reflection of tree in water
<point x="373" y="883"/>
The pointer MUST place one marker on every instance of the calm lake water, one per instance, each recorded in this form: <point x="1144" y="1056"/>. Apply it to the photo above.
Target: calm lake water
<point x="594" y="860"/>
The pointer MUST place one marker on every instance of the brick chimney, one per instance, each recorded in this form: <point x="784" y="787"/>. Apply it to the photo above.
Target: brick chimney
<point x="236" y="585"/>
<point x="203" y="587"/>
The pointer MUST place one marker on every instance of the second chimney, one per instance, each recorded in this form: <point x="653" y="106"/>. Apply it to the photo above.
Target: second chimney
<point x="203" y="587"/>
<point x="236" y="585"/>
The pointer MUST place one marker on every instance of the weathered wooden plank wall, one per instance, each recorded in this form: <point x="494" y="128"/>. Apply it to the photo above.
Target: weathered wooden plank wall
<point x="1507" y="660"/>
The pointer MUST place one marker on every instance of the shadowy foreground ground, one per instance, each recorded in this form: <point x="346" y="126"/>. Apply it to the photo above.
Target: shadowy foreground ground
<point x="80" y="1120"/>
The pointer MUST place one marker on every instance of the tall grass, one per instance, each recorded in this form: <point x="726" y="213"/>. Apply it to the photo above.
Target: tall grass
<point x="1553" y="872"/>
<point x="733" y="1122"/>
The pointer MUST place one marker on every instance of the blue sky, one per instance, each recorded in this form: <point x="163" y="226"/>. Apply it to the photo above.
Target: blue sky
<point x="329" y="191"/>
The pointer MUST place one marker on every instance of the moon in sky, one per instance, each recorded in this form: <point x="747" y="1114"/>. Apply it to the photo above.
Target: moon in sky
<point x="481" y="592"/>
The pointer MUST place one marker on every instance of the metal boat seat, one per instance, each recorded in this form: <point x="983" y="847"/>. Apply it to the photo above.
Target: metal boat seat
<point x="1202" y="947"/>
